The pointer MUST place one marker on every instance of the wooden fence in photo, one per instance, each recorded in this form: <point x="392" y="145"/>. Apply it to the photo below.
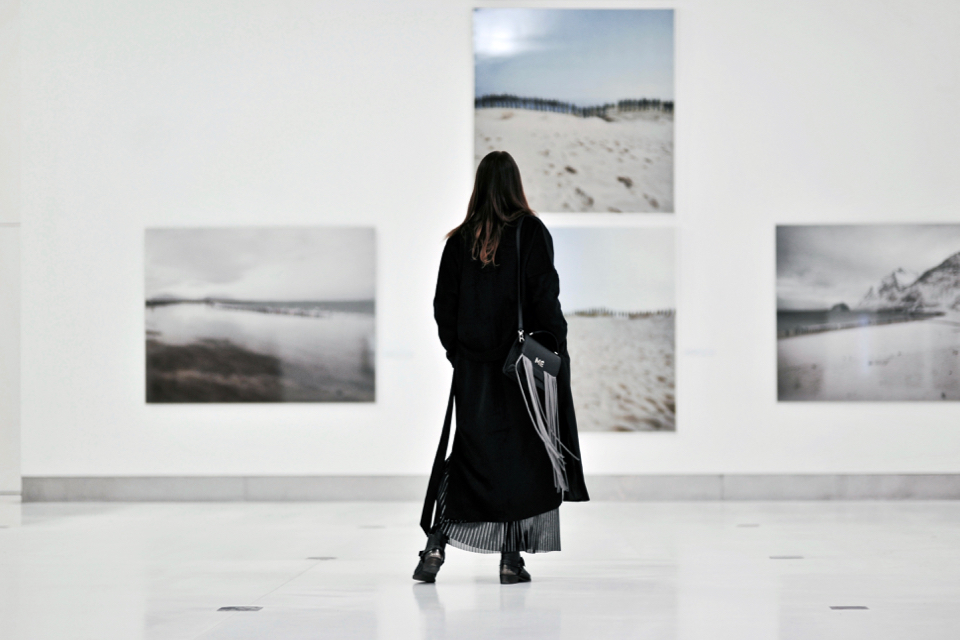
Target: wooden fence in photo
<point x="601" y="312"/>
<point x="509" y="101"/>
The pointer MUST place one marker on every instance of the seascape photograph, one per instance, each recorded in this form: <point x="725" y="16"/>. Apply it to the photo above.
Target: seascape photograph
<point x="583" y="99"/>
<point x="868" y="312"/>
<point x="260" y="314"/>
<point x="618" y="298"/>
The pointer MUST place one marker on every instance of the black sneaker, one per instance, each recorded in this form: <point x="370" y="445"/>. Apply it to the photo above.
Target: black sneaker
<point x="431" y="559"/>
<point x="511" y="569"/>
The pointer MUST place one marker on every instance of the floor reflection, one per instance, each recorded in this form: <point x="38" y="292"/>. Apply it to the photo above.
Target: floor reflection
<point x="653" y="571"/>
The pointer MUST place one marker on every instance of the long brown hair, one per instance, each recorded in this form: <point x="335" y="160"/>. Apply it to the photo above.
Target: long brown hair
<point x="497" y="199"/>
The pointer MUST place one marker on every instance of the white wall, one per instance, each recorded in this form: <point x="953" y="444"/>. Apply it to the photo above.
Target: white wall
<point x="9" y="263"/>
<point x="271" y="112"/>
<point x="9" y="360"/>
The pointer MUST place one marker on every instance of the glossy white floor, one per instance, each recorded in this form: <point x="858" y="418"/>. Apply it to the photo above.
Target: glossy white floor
<point x="342" y="570"/>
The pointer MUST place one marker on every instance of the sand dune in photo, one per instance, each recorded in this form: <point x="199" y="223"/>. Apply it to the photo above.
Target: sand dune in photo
<point x="622" y="372"/>
<point x="574" y="164"/>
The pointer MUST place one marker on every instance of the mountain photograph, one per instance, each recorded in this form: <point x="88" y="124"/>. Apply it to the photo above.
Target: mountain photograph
<point x="868" y="312"/>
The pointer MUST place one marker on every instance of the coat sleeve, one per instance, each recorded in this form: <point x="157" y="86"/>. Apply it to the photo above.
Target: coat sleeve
<point x="543" y="284"/>
<point x="446" y="299"/>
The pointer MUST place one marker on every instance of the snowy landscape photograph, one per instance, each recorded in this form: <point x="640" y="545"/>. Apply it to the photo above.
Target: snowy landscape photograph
<point x="618" y="297"/>
<point x="868" y="312"/>
<point x="584" y="102"/>
<point x="260" y="314"/>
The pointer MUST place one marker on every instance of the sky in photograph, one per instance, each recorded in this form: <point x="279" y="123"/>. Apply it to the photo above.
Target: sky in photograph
<point x="586" y="57"/>
<point x="819" y="266"/>
<point x="258" y="263"/>
<point x="622" y="269"/>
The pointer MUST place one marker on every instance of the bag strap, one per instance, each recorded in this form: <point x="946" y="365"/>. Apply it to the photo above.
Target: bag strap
<point x="519" y="282"/>
<point x="433" y="487"/>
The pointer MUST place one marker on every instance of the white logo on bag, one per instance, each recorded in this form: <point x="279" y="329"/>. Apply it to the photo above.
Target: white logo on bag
<point x="538" y="362"/>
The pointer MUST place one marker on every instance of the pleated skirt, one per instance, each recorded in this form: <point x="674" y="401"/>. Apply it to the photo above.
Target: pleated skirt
<point x="537" y="534"/>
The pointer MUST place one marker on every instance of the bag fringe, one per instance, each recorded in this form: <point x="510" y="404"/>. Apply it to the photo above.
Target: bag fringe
<point x="545" y="419"/>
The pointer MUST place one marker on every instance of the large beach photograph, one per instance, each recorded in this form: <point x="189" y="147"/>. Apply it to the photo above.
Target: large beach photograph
<point x="617" y="292"/>
<point x="868" y="312"/>
<point x="583" y="100"/>
<point x="260" y="314"/>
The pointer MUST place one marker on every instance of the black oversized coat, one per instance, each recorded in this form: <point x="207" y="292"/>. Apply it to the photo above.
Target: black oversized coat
<point x="498" y="468"/>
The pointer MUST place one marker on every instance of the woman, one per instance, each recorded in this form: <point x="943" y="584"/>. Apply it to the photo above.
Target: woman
<point x="496" y="491"/>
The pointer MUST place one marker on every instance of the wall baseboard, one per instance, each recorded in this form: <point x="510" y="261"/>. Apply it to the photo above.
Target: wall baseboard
<point x="623" y="488"/>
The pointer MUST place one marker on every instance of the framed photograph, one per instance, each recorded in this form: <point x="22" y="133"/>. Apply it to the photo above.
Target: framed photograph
<point x="583" y="101"/>
<point x="617" y="291"/>
<point x="868" y="312"/>
<point x="260" y="314"/>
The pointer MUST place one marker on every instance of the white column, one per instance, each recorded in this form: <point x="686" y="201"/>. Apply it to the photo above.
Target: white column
<point x="9" y="263"/>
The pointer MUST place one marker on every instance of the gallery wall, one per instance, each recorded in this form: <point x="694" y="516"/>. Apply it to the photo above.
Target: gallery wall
<point x="223" y="114"/>
<point x="9" y="263"/>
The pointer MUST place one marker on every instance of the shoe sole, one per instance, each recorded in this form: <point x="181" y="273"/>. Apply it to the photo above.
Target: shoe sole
<point x="512" y="579"/>
<point x="425" y="576"/>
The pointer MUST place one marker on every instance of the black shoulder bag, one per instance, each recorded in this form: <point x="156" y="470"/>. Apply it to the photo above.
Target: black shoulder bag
<point x="535" y="368"/>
